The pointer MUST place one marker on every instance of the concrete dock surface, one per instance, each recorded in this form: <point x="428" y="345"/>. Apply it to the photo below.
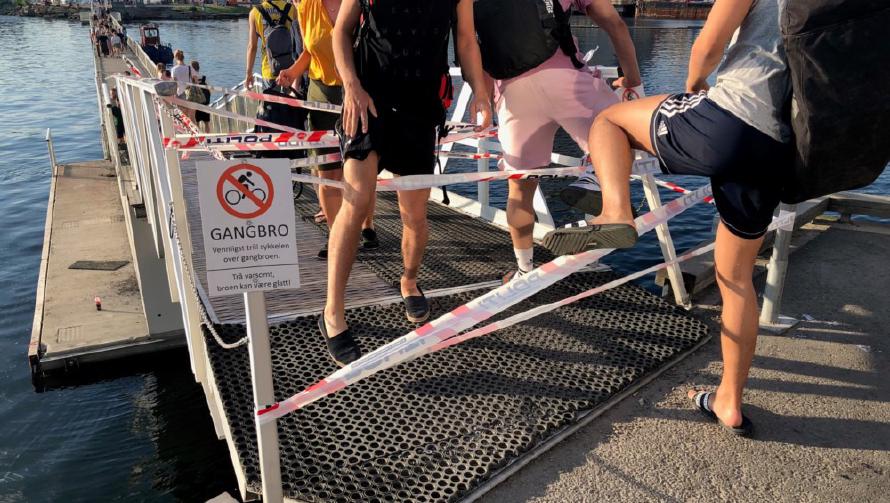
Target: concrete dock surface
<point x="819" y="397"/>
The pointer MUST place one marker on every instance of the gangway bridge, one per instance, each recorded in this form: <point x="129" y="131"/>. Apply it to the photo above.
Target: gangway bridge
<point x="446" y="426"/>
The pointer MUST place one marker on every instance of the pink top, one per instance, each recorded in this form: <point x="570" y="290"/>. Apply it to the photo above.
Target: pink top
<point x="559" y="59"/>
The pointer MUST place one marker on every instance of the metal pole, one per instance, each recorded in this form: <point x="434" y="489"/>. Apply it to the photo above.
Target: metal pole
<point x="775" y="276"/>
<point x="482" y="188"/>
<point x="263" y="394"/>
<point x="52" y="151"/>
<point x="674" y="272"/>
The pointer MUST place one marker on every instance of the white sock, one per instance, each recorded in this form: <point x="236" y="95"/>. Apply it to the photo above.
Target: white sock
<point x="525" y="259"/>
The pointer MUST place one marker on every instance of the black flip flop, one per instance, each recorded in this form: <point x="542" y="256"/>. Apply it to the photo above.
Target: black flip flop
<point x="417" y="308"/>
<point x="702" y="400"/>
<point x="342" y="347"/>
<point x="572" y="240"/>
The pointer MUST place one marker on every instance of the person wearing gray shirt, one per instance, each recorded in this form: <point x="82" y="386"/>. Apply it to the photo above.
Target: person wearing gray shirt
<point x="735" y="133"/>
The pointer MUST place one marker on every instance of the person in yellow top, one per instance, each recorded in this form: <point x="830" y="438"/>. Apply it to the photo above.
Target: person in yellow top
<point x="271" y="24"/>
<point x="316" y="19"/>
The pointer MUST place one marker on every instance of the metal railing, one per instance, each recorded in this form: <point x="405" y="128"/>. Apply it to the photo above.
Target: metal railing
<point x="148" y="120"/>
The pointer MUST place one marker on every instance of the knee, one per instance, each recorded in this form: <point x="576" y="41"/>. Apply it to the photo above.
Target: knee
<point x="414" y="220"/>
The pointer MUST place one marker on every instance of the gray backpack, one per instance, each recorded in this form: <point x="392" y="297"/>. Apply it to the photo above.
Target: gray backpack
<point x="280" y="45"/>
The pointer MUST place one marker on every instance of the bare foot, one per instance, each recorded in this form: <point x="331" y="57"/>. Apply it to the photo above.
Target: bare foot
<point x="728" y="415"/>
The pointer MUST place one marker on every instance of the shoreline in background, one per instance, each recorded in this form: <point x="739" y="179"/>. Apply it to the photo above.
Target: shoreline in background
<point x="129" y="13"/>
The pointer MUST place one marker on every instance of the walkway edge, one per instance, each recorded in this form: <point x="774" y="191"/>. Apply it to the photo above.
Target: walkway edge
<point x="520" y="463"/>
<point x="37" y="326"/>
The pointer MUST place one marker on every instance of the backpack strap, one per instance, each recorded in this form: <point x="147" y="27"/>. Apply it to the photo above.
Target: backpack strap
<point x="564" y="36"/>
<point x="283" y="14"/>
<point x="265" y="15"/>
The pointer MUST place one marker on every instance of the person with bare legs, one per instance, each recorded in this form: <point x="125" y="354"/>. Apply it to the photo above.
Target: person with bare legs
<point x="395" y="78"/>
<point x="543" y="85"/>
<point x="737" y="134"/>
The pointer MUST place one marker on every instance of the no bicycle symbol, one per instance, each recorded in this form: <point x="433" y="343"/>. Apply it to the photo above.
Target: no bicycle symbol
<point x="245" y="191"/>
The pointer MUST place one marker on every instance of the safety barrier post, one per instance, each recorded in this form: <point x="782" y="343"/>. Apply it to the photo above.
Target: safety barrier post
<point x="675" y="274"/>
<point x="770" y="319"/>
<point x="483" y="188"/>
<point x="52" y="151"/>
<point x="260" y="352"/>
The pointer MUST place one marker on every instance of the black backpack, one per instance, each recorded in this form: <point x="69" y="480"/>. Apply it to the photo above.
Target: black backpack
<point x="285" y="115"/>
<point x="516" y="36"/>
<point x="838" y="57"/>
<point x="280" y="46"/>
<point x="401" y="49"/>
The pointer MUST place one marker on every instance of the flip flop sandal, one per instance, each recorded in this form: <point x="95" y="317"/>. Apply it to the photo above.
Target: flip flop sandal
<point x="702" y="401"/>
<point x="342" y="347"/>
<point x="569" y="241"/>
<point x="417" y="308"/>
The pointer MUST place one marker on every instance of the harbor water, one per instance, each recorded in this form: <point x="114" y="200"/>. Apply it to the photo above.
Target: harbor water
<point x="143" y="432"/>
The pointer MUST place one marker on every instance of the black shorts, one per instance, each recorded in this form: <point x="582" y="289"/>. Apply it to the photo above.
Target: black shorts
<point x="692" y="135"/>
<point x="405" y="142"/>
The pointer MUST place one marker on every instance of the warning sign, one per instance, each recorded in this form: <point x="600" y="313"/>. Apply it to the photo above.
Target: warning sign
<point x="248" y="226"/>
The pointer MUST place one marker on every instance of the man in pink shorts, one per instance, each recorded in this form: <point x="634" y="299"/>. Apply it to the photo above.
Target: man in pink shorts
<point x="535" y="97"/>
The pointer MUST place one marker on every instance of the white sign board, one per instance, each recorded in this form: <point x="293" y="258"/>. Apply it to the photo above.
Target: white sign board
<point x="247" y="217"/>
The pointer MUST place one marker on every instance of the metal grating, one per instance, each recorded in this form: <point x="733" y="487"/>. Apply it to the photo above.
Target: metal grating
<point x="438" y="427"/>
<point x="461" y="250"/>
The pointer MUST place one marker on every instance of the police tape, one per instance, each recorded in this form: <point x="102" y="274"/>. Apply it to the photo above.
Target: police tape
<point x="673" y="187"/>
<point x="254" y="141"/>
<point x="294" y="102"/>
<point x="314" y="160"/>
<point x="182" y="122"/>
<point x="784" y="221"/>
<point x="457" y="131"/>
<point x="417" y="182"/>
<point x="432" y="334"/>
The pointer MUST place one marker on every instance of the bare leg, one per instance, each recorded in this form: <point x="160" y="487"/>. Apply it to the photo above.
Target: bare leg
<point x="614" y="133"/>
<point x="360" y="178"/>
<point x="415" y="233"/>
<point x="368" y="223"/>
<point x="521" y="212"/>
<point x="330" y="198"/>
<point x="734" y="258"/>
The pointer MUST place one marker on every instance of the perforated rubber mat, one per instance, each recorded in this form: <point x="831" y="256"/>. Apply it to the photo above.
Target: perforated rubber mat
<point x="467" y="251"/>
<point x="438" y="427"/>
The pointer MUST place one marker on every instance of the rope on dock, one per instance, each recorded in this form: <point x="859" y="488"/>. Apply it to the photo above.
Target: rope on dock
<point x="188" y="273"/>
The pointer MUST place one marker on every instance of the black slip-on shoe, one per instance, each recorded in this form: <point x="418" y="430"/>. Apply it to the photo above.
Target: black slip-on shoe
<point x="369" y="239"/>
<point x="342" y="347"/>
<point x="417" y="308"/>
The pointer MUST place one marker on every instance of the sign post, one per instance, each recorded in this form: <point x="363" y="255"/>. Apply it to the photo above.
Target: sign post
<point x="248" y="224"/>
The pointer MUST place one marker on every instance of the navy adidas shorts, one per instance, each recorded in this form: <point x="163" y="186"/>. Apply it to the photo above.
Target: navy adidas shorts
<point x="692" y="135"/>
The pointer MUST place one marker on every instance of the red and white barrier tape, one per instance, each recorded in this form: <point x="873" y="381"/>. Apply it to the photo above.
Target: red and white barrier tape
<point x="426" y="338"/>
<point x="785" y="220"/>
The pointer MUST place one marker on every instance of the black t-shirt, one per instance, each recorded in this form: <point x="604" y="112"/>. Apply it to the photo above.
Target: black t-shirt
<point x="401" y="51"/>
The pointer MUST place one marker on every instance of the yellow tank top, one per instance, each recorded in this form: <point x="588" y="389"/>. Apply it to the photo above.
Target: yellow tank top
<point x="317" y="30"/>
<point x="259" y="22"/>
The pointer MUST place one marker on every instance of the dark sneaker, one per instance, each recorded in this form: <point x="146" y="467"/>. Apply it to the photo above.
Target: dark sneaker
<point x="323" y="253"/>
<point x="369" y="239"/>
<point x="342" y="347"/>
<point x="417" y="308"/>
<point x="569" y="241"/>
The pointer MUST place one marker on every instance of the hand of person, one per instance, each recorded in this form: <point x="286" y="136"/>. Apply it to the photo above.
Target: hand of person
<point x="626" y="92"/>
<point x="356" y="104"/>
<point x="285" y="79"/>
<point x="697" y="85"/>
<point x="481" y="104"/>
<point x="248" y="82"/>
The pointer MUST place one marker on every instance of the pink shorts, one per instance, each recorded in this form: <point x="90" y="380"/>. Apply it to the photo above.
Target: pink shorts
<point x="531" y="108"/>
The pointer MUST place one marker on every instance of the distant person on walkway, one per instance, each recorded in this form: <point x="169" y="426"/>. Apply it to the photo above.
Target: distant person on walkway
<point x="116" y="47"/>
<point x="395" y="79"/>
<point x="271" y="25"/>
<point x="115" y="108"/>
<point x="542" y="87"/>
<point x="182" y="74"/>
<point x="160" y="68"/>
<point x="102" y="38"/>
<point x="316" y="19"/>
<point x="202" y="118"/>
<point x="736" y="133"/>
